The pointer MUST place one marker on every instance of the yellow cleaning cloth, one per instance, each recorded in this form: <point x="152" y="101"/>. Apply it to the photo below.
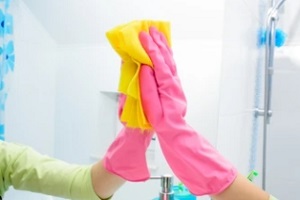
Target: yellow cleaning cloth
<point x="125" y="41"/>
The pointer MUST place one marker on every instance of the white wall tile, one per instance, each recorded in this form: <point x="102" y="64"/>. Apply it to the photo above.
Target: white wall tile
<point x="283" y="132"/>
<point x="31" y="99"/>
<point x="238" y="78"/>
<point x="190" y="20"/>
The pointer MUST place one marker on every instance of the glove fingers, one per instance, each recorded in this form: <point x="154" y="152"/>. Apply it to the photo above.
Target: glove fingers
<point x="162" y="70"/>
<point x="168" y="86"/>
<point x="149" y="94"/>
<point x="165" y="50"/>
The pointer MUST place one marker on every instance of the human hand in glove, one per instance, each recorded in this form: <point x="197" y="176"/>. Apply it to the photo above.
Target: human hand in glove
<point x="126" y="155"/>
<point x="192" y="158"/>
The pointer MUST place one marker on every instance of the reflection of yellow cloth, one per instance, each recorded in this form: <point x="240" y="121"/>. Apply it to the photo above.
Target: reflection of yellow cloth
<point x="125" y="41"/>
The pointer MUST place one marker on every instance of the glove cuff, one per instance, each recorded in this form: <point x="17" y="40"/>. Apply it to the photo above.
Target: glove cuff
<point x="126" y="155"/>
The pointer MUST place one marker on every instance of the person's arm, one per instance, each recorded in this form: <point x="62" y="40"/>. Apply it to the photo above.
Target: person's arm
<point x="242" y="189"/>
<point x="25" y="169"/>
<point x="105" y="183"/>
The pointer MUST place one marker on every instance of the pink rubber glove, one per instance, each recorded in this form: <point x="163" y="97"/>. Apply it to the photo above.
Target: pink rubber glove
<point x="126" y="155"/>
<point x="192" y="158"/>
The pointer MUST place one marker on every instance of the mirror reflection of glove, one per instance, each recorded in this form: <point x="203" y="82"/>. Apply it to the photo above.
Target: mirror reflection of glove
<point x="25" y="169"/>
<point x="192" y="158"/>
<point x="126" y="157"/>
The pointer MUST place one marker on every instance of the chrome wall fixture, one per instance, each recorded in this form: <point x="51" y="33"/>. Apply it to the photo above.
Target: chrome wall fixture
<point x="266" y="112"/>
<point x="166" y="182"/>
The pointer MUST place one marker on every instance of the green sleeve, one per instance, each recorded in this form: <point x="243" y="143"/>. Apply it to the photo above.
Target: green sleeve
<point x="25" y="169"/>
<point x="272" y="198"/>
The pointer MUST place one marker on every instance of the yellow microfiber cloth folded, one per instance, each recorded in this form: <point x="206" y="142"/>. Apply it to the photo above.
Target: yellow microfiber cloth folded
<point x="125" y="41"/>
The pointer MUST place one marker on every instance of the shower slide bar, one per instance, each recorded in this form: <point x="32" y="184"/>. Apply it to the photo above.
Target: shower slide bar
<point x="266" y="112"/>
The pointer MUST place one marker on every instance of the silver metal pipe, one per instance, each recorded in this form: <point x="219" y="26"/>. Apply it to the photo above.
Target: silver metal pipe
<point x="269" y="69"/>
<point x="279" y="4"/>
<point x="272" y="19"/>
<point x="269" y="65"/>
<point x="273" y="3"/>
<point x="166" y="183"/>
<point x="273" y="11"/>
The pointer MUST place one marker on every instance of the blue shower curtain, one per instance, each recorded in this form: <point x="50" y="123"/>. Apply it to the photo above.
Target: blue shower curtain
<point x="7" y="57"/>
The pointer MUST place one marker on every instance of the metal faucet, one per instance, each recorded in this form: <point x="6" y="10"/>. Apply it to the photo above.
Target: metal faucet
<point x="166" y="181"/>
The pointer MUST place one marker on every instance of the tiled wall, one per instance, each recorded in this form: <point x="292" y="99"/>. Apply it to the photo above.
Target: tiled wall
<point x="238" y="80"/>
<point x="31" y="101"/>
<point x="242" y="80"/>
<point x="283" y="160"/>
